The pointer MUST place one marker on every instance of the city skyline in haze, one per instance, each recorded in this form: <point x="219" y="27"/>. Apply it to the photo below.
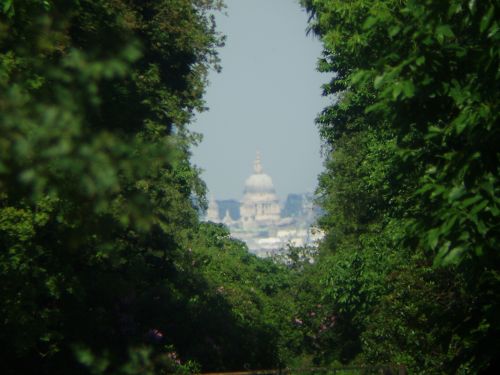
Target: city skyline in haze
<point x="266" y="98"/>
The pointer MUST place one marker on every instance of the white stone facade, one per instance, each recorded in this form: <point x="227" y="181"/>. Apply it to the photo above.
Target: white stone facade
<point x="260" y="224"/>
<point x="260" y="206"/>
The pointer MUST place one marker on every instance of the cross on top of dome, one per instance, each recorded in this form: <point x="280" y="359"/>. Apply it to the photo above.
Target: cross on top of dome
<point x="257" y="166"/>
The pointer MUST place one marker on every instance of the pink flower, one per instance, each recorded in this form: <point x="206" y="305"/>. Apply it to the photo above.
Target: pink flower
<point x="174" y="357"/>
<point x="298" y="321"/>
<point x="155" y="335"/>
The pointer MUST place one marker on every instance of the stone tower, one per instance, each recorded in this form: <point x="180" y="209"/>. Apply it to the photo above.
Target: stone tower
<point x="213" y="210"/>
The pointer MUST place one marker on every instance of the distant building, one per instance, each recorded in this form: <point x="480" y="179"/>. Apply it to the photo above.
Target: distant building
<point x="213" y="210"/>
<point x="260" y="206"/>
<point x="231" y="205"/>
<point x="260" y="222"/>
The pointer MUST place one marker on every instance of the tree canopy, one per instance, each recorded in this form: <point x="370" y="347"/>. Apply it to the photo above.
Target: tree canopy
<point x="411" y="182"/>
<point x="105" y="267"/>
<point x="104" y="264"/>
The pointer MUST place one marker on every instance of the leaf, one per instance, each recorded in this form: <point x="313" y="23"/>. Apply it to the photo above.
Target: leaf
<point x="375" y="107"/>
<point x="485" y="21"/>
<point x="420" y="60"/>
<point x="408" y="88"/>
<point x="472" y="6"/>
<point x="435" y="129"/>
<point x="481" y="227"/>
<point x="479" y="207"/>
<point x="8" y="7"/>
<point x="454" y="256"/>
<point x="425" y="189"/>
<point x="433" y="237"/>
<point x="455" y="193"/>
<point x="493" y="31"/>
<point x="494" y="210"/>
<point x="454" y="9"/>
<point x="460" y="124"/>
<point x="378" y="81"/>
<point x="397" y="90"/>
<point x="445" y="31"/>
<point x="84" y="356"/>
<point x="448" y="224"/>
<point x="358" y="76"/>
<point x="369" y="22"/>
<point x="394" y="30"/>
<point x="467" y="202"/>
<point x="27" y="176"/>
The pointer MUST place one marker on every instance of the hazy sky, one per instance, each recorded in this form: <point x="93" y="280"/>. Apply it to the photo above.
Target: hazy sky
<point x="265" y="98"/>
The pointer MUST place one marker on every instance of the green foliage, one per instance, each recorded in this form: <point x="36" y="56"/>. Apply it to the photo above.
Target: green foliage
<point x="256" y="291"/>
<point x="411" y="185"/>
<point x="104" y="266"/>
<point x="142" y="361"/>
<point x="415" y="318"/>
<point x="98" y="200"/>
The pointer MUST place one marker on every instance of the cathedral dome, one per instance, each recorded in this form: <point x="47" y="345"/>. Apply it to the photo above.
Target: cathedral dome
<point x="260" y="205"/>
<point x="259" y="182"/>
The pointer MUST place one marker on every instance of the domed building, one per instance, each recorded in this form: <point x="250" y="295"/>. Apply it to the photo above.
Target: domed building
<point x="260" y="207"/>
<point x="260" y="223"/>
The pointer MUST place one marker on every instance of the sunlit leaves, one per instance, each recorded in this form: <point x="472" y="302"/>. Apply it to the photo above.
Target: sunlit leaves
<point x="427" y="70"/>
<point x="95" y="186"/>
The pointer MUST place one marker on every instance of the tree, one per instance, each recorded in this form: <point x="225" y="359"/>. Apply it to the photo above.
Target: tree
<point x="96" y="188"/>
<point x="412" y="171"/>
